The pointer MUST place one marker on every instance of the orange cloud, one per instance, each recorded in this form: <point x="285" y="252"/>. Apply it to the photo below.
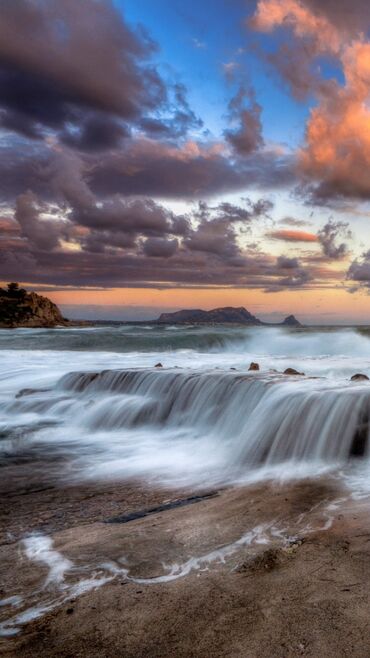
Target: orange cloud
<point x="271" y="14"/>
<point x="336" y="154"/>
<point x="293" y="236"/>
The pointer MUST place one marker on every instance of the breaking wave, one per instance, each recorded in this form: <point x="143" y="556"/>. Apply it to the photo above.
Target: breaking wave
<point x="278" y="341"/>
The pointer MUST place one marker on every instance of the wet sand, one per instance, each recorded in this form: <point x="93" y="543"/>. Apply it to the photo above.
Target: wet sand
<point x="264" y="571"/>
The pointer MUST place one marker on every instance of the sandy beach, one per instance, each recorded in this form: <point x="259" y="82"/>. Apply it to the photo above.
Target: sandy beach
<point x="261" y="571"/>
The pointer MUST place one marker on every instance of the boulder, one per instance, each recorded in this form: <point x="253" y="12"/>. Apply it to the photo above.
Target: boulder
<point x="359" y="377"/>
<point x="254" y="366"/>
<point x="292" y="371"/>
<point x="158" y="365"/>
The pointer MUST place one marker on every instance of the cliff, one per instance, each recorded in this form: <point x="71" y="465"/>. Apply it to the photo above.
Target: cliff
<point x="19" y="308"/>
<point x="226" y="315"/>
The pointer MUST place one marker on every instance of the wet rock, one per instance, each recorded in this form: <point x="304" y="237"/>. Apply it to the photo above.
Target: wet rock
<point x="293" y="371"/>
<point x="31" y="391"/>
<point x="158" y="365"/>
<point x="359" y="377"/>
<point x="271" y="558"/>
<point x="254" y="366"/>
<point x="360" y="439"/>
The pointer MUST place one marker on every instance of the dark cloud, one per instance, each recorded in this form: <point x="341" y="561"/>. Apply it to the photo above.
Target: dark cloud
<point x="40" y="234"/>
<point x="82" y="57"/>
<point x="359" y="273"/>
<point x="350" y="17"/>
<point x="97" y="132"/>
<point x="138" y="216"/>
<point x="160" y="247"/>
<point x="328" y="237"/>
<point x="244" y="110"/>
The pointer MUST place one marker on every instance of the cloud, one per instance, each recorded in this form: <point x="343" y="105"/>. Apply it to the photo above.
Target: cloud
<point x="328" y="236"/>
<point x="160" y="247"/>
<point x="334" y="162"/>
<point x="293" y="221"/>
<point x="359" y="273"/>
<point x="289" y="235"/>
<point x="246" y="113"/>
<point x="50" y="79"/>
<point x="41" y="234"/>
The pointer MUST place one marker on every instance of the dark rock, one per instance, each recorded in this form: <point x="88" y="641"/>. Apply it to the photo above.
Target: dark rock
<point x="19" y="308"/>
<point x="292" y="371"/>
<point x="291" y="321"/>
<point x="31" y="391"/>
<point x="254" y="366"/>
<point x="359" y="377"/>
<point x="360" y="439"/>
<point x="158" y="365"/>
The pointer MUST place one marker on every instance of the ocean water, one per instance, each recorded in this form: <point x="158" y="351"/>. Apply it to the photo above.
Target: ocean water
<point x="94" y="397"/>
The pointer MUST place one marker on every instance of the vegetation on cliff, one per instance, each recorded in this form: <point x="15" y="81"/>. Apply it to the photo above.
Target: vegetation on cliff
<point x="19" y="308"/>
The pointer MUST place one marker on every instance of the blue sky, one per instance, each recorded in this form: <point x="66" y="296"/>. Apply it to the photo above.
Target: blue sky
<point x="197" y="39"/>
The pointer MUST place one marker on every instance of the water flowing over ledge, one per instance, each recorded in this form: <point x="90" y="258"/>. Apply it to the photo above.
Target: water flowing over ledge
<point x="195" y="427"/>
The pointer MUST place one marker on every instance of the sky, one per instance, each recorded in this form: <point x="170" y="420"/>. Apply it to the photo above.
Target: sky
<point x="157" y="155"/>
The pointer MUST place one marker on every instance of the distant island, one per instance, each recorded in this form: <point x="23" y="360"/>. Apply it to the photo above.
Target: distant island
<point x="19" y="308"/>
<point x="225" y="315"/>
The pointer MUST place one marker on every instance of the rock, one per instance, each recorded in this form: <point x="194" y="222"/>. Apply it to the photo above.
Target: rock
<point x="158" y="365"/>
<point x="292" y="371"/>
<point x="360" y="440"/>
<point x="31" y="391"/>
<point x="359" y="377"/>
<point x="254" y="366"/>
<point x="19" y="308"/>
<point x="291" y="321"/>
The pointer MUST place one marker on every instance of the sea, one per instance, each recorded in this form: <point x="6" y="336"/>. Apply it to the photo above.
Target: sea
<point x="178" y="406"/>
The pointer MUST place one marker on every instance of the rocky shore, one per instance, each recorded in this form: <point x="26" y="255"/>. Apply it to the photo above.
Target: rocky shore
<point x="19" y="308"/>
<point x="261" y="571"/>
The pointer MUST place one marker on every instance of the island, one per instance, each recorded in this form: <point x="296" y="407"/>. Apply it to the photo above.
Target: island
<point x="225" y="315"/>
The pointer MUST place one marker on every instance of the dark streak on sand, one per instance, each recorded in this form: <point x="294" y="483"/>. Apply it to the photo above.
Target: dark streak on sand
<point x="140" y="514"/>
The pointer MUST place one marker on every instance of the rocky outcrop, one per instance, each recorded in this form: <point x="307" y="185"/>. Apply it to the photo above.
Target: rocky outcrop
<point x="292" y="371"/>
<point x="359" y="377"/>
<point x="254" y="366"/>
<point x="225" y="315"/>
<point x="19" y="308"/>
<point x="291" y="321"/>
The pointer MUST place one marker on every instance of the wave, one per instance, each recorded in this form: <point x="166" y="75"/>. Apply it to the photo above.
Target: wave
<point x="191" y="427"/>
<point x="260" y="341"/>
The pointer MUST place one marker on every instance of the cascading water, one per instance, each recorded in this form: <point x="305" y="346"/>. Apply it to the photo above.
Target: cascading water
<point x="188" y="426"/>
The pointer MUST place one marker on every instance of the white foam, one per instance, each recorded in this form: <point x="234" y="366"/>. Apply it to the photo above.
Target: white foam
<point x="39" y="548"/>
